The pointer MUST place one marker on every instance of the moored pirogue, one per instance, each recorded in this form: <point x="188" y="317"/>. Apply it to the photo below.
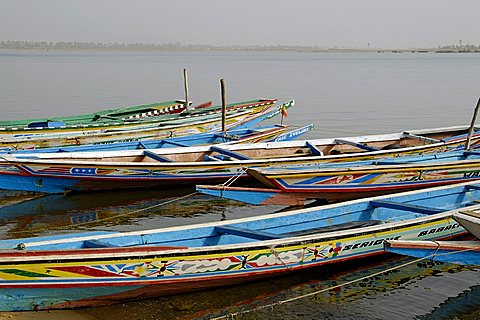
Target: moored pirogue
<point x="126" y="117"/>
<point x="98" y="268"/>
<point x="350" y="180"/>
<point x="182" y="124"/>
<point x="87" y="171"/>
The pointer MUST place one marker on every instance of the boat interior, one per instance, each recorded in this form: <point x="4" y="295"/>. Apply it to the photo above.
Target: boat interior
<point x="426" y="159"/>
<point x="182" y="141"/>
<point x="311" y="221"/>
<point x="321" y="147"/>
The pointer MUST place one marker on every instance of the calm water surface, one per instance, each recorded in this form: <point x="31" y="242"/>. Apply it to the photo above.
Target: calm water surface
<point x="342" y="94"/>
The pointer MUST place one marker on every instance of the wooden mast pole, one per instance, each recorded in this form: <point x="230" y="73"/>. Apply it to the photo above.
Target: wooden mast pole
<point x="472" y="126"/>
<point x="185" y="82"/>
<point x="224" y="105"/>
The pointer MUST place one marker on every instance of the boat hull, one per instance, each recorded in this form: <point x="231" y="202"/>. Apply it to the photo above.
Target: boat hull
<point x="197" y="125"/>
<point x="292" y="186"/>
<point x="131" y="169"/>
<point x="93" y="268"/>
<point x="106" y="121"/>
<point x="145" y="273"/>
<point x="55" y="185"/>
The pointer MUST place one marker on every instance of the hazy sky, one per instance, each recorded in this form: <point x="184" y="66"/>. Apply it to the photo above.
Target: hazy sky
<point x="350" y="23"/>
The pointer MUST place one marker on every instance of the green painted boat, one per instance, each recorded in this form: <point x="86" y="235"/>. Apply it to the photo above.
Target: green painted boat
<point x="103" y="116"/>
<point x="121" y="118"/>
<point x="247" y="115"/>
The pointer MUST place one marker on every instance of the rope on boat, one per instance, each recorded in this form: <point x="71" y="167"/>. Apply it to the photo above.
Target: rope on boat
<point x="233" y="178"/>
<point x="277" y="255"/>
<point x="111" y="217"/>
<point x="281" y="302"/>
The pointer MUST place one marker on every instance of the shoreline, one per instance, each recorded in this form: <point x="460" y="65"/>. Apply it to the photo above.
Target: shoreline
<point x="248" y="50"/>
<point x="147" y="47"/>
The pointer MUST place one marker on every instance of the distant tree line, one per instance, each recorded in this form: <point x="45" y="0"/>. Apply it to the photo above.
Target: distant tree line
<point x="75" y="45"/>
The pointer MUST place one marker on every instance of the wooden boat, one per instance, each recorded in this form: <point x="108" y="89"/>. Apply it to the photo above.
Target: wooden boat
<point x="103" y="116"/>
<point x="98" y="268"/>
<point x="163" y="129"/>
<point x="458" y="252"/>
<point x="351" y="180"/>
<point x="86" y="171"/>
<point x="125" y="118"/>
<point x="234" y="136"/>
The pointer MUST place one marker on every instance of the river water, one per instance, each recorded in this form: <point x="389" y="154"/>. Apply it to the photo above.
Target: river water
<point x="341" y="93"/>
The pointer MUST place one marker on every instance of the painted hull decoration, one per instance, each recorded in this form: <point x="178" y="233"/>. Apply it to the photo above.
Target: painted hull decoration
<point x="87" y="171"/>
<point x="199" y="123"/>
<point x="341" y="181"/>
<point x="97" y="268"/>
<point x="457" y="252"/>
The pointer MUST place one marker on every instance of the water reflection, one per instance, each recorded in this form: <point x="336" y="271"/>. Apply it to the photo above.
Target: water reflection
<point x="430" y="290"/>
<point x="28" y="214"/>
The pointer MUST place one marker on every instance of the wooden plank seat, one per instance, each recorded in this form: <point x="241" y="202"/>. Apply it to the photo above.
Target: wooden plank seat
<point x="155" y="156"/>
<point x="210" y="158"/>
<point x="421" y="138"/>
<point x="314" y="149"/>
<point x="355" y="144"/>
<point x="331" y="228"/>
<point x="404" y="207"/>
<point x="229" y="153"/>
<point x="140" y="145"/>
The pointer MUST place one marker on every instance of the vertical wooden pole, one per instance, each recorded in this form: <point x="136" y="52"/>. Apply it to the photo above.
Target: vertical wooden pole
<point x="224" y="105"/>
<point x="185" y="82"/>
<point x="472" y="126"/>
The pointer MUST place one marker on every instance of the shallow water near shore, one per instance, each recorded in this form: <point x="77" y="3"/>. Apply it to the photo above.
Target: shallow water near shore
<point x="341" y="93"/>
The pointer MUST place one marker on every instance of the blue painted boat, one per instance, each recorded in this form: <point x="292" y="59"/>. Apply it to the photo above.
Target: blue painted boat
<point x="109" y="170"/>
<point x="292" y="185"/>
<point x="457" y="252"/>
<point x="98" y="268"/>
<point x="246" y="134"/>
